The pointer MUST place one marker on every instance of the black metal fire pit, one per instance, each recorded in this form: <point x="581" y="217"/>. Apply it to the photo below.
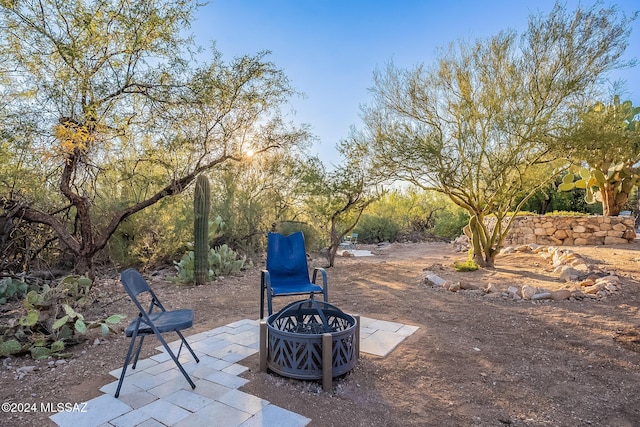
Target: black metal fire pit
<point x="310" y="340"/>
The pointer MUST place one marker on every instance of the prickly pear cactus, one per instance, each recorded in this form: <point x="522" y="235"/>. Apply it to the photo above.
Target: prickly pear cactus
<point x="201" y="206"/>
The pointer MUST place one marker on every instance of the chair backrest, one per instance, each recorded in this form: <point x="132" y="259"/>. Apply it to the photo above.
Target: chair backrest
<point x="287" y="259"/>
<point x="135" y="285"/>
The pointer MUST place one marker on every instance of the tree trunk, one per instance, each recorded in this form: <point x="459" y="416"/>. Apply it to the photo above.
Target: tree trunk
<point x="612" y="200"/>
<point x="483" y="253"/>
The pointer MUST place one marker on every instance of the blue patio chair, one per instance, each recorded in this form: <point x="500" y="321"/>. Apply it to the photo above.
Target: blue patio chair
<point x="287" y="272"/>
<point x="156" y="323"/>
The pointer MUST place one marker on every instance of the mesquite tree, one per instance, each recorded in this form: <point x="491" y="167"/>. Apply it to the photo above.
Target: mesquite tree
<point x="104" y="113"/>
<point x="477" y="124"/>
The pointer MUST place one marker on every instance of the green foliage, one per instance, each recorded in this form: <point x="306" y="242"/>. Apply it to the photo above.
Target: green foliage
<point x="477" y="125"/>
<point x="11" y="289"/>
<point x="201" y="207"/>
<point x="126" y="132"/>
<point x="185" y="268"/>
<point x="375" y="229"/>
<point x="77" y="288"/>
<point x="415" y="212"/>
<point x="468" y="265"/>
<point x="566" y="213"/>
<point x="51" y="319"/>
<point x="619" y="178"/>
<point x="606" y="140"/>
<point x="9" y="347"/>
<point x="450" y="222"/>
<point x="548" y="198"/>
<point x="221" y="261"/>
<point x="155" y="236"/>
<point x="224" y="260"/>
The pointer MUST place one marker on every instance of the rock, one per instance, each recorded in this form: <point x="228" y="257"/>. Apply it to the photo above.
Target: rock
<point x="435" y="280"/>
<point x="469" y="286"/>
<point x="586" y="282"/>
<point x="561" y="294"/>
<point x="611" y="279"/>
<point x="492" y="287"/>
<point x="542" y="295"/>
<point x="594" y="289"/>
<point x="577" y="294"/>
<point x="507" y="250"/>
<point x="494" y="295"/>
<point x="25" y="369"/>
<point x="610" y="240"/>
<point x="569" y="274"/>
<point x="528" y="292"/>
<point x="537" y="249"/>
<point x="454" y="287"/>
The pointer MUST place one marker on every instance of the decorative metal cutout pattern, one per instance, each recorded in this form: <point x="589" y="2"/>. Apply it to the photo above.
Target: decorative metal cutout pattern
<point x="295" y="340"/>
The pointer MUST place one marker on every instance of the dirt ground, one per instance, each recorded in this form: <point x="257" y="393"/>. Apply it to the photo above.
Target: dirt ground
<point x="475" y="361"/>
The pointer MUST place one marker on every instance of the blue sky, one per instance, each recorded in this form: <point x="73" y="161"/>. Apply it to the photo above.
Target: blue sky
<point x="330" y="48"/>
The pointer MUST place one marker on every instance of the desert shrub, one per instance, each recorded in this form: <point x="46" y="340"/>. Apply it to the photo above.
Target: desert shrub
<point x="566" y="213"/>
<point x="468" y="265"/>
<point x="50" y="319"/>
<point x="157" y="234"/>
<point x="375" y="229"/>
<point x="450" y="222"/>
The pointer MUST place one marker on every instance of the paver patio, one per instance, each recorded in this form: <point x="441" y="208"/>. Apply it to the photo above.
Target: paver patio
<point x="156" y="393"/>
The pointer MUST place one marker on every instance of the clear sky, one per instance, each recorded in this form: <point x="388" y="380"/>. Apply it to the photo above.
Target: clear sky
<point x="330" y="48"/>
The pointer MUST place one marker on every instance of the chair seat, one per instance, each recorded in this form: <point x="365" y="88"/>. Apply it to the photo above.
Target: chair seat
<point x="165" y="321"/>
<point x="296" y="289"/>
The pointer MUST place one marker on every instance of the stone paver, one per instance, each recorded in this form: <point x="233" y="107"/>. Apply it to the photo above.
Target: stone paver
<point x="156" y="394"/>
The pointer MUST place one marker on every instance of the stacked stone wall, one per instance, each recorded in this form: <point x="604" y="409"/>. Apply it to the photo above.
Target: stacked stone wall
<point x="569" y="230"/>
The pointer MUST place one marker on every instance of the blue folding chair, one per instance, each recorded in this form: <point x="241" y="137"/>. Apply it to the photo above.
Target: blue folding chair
<point x="149" y="322"/>
<point x="287" y="272"/>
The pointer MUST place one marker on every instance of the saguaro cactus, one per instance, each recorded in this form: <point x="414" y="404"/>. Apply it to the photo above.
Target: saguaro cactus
<point x="201" y="206"/>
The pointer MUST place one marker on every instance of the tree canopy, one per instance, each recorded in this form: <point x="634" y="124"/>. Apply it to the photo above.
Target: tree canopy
<point x="477" y="124"/>
<point x="105" y="112"/>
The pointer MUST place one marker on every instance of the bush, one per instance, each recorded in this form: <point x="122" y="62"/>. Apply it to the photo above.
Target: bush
<point x="375" y="229"/>
<point x="450" y="223"/>
<point x="468" y="265"/>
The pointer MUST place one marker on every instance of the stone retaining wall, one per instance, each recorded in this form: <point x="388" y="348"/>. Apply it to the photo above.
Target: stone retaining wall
<point x="569" y="230"/>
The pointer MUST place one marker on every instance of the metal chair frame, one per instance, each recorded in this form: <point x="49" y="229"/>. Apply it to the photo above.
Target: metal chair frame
<point x="303" y="287"/>
<point x="148" y="323"/>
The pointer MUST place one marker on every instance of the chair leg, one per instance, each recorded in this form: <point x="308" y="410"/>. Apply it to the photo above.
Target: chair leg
<point x="175" y="359"/>
<point x="184" y="341"/>
<point x="137" y="353"/>
<point x="262" y="300"/>
<point x="126" y="363"/>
